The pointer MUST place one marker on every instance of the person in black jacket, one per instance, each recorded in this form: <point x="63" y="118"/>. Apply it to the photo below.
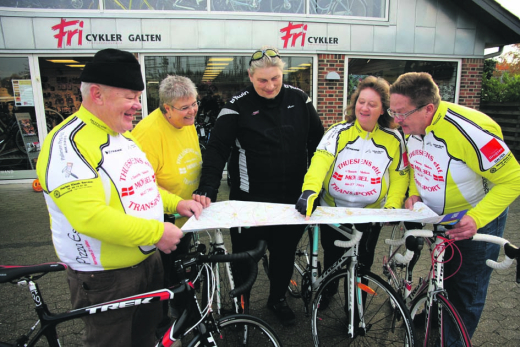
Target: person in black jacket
<point x="272" y="130"/>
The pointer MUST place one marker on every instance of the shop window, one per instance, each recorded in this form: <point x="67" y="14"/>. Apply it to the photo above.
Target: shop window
<point x="444" y="73"/>
<point x="217" y="78"/>
<point x="19" y="145"/>
<point x="157" y="5"/>
<point x="351" y="8"/>
<point x="53" y="4"/>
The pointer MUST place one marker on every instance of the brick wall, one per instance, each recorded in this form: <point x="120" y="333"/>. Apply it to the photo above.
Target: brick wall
<point x="471" y="82"/>
<point x="330" y="92"/>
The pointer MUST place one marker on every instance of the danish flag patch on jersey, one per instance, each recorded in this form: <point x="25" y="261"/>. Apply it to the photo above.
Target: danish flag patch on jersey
<point x="127" y="191"/>
<point x="337" y="176"/>
<point x="492" y="149"/>
<point x="376" y="180"/>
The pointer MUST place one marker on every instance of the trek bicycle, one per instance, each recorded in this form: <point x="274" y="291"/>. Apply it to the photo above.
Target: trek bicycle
<point x="351" y="306"/>
<point x="436" y="320"/>
<point x="197" y="324"/>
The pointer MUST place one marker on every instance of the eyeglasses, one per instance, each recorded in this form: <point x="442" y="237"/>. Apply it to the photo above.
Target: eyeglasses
<point x="260" y="54"/>
<point x="186" y="108"/>
<point x="403" y="116"/>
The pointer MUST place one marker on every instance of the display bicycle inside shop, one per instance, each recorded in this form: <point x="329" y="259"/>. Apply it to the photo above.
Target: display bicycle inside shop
<point x="44" y="44"/>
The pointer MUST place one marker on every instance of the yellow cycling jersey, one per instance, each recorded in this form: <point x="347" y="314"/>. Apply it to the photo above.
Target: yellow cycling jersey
<point x="361" y="169"/>
<point x="105" y="208"/>
<point x="463" y="163"/>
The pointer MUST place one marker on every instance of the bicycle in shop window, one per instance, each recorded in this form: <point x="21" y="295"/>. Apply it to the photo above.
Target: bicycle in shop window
<point x="159" y="5"/>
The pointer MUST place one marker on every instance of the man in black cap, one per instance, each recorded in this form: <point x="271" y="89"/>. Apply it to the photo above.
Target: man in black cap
<point x="105" y="207"/>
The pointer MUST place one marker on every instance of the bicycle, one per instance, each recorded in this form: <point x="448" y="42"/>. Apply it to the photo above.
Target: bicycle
<point x="196" y="319"/>
<point x="224" y="281"/>
<point x="435" y="318"/>
<point x="360" y="314"/>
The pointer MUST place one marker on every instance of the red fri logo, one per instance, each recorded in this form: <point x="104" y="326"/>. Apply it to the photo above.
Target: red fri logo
<point x="74" y="27"/>
<point x="292" y="35"/>
<point x="127" y="191"/>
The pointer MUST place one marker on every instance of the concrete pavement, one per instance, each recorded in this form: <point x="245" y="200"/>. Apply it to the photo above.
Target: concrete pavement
<point x="25" y="238"/>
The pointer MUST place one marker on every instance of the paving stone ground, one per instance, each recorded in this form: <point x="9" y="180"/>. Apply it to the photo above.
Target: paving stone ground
<point x="25" y="238"/>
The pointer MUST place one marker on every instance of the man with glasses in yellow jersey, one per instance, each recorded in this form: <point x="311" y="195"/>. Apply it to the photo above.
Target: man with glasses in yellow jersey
<point x="272" y="131"/>
<point x="459" y="161"/>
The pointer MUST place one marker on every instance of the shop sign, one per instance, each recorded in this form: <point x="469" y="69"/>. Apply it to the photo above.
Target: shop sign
<point x="70" y="32"/>
<point x="294" y="34"/>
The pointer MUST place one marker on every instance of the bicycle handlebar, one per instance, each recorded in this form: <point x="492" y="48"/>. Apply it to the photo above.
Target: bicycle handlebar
<point x="251" y="256"/>
<point x="511" y="251"/>
<point x="356" y="236"/>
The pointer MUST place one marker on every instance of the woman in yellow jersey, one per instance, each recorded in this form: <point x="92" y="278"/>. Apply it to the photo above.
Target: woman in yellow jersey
<point x="360" y="162"/>
<point x="169" y="139"/>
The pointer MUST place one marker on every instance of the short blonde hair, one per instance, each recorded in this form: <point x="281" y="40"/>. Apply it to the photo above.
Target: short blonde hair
<point x="266" y="61"/>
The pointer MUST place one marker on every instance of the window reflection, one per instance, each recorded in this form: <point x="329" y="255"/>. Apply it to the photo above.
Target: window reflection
<point x="356" y="8"/>
<point x="156" y="5"/>
<point x="53" y="4"/>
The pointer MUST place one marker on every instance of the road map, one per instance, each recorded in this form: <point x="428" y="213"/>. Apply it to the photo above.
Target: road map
<point x="232" y="213"/>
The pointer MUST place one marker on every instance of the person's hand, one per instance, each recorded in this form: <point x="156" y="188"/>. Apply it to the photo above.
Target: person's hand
<point x="170" y="238"/>
<point x="188" y="208"/>
<point x="411" y="201"/>
<point x="205" y="195"/>
<point x="305" y="204"/>
<point x="466" y="228"/>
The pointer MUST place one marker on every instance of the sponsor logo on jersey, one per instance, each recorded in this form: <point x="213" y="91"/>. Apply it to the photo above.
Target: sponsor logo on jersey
<point x="492" y="149"/>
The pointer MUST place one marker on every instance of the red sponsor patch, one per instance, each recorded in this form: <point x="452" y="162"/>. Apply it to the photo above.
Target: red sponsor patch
<point x="405" y="159"/>
<point x="492" y="149"/>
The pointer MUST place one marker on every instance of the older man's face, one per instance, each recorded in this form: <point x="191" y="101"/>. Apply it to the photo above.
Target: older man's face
<point x="121" y="106"/>
<point x="414" y="123"/>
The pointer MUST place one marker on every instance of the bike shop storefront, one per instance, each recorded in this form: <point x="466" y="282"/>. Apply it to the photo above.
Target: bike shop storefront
<point x="37" y="92"/>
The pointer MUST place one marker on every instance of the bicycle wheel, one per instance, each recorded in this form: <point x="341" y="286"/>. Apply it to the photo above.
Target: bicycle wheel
<point x="287" y="6"/>
<point x="357" y="8"/>
<point x="453" y="332"/>
<point x="245" y="330"/>
<point x="301" y="263"/>
<point x="384" y="325"/>
<point x="393" y="271"/>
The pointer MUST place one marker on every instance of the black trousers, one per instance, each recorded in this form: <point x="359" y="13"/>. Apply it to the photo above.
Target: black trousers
<point x="281" y="243"/>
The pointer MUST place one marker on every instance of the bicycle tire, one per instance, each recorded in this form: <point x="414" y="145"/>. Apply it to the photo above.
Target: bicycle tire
<point x="445" y="310"/>
<point x="20" y="144"/>
<point x="233" y="332"/>
<point x="351" y="8"/>
<point x="385" y="325"/>
<point x="301" y="264"/>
